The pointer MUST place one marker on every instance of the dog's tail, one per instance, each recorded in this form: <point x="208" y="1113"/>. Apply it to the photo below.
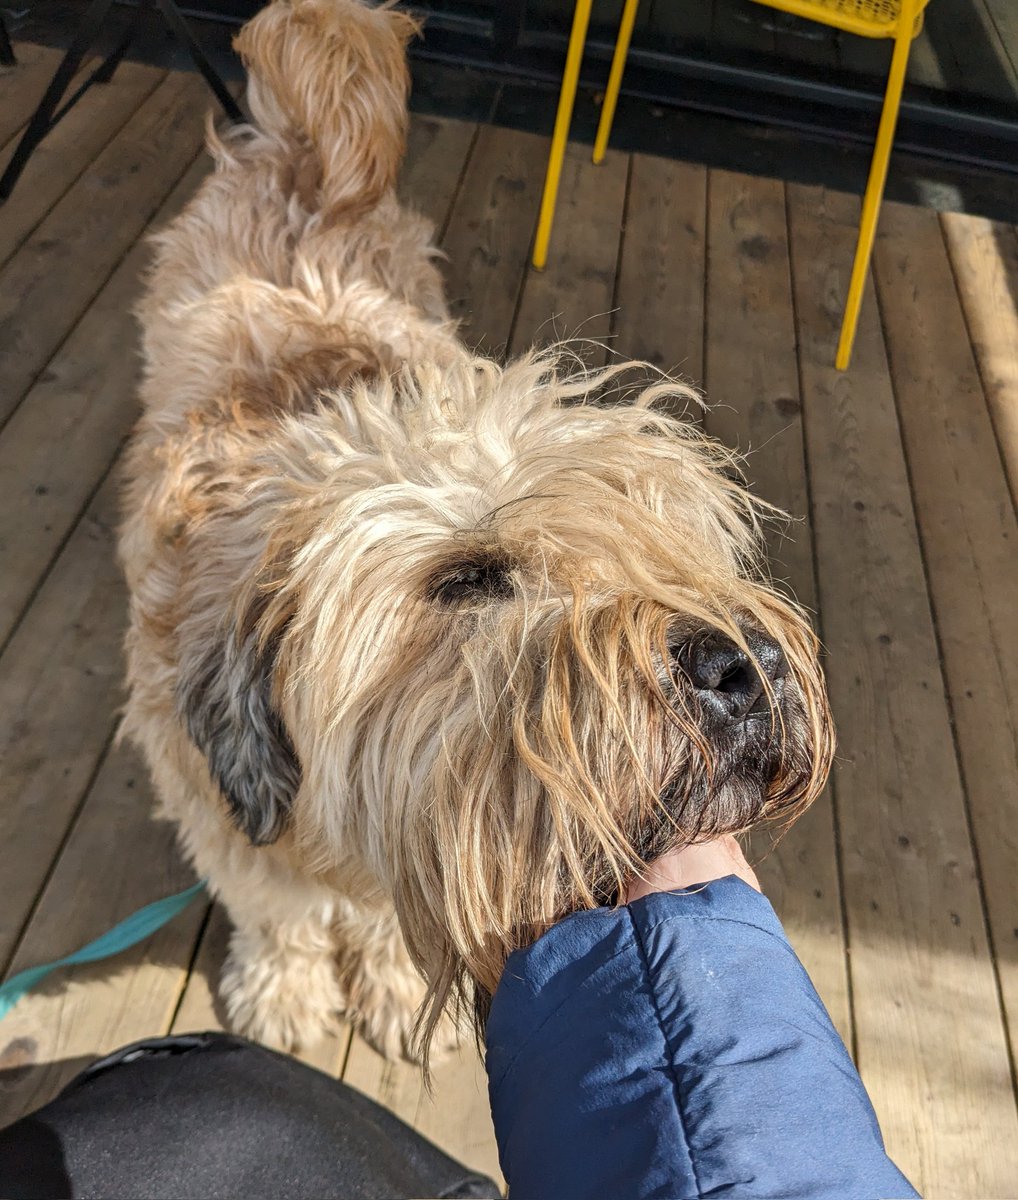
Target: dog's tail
<point x="328" y="80"/>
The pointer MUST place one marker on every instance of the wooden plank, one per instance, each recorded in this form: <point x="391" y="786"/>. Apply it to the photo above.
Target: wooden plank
<point x="752" y="380"/>
<point x="751" y="369"/>
<point x="200" y="1010"/>
<point x="984" y="255"/>
<point x="84" y="398"/>
<point x="21" y="87"/>
<point x="437" y="152"/>
<point x="574" y="295"/>
<point x="116" y="859"/>
<point x="455" y="1115"/>
<point x="929" y="1035"/>
<point x="60" y="681"/>
<point x="92" y="226"/>
<point x="65" y="152"/>
<point x="660" y="292"/>
<point x="970" y="542"/>
<point x="490" y="228"/>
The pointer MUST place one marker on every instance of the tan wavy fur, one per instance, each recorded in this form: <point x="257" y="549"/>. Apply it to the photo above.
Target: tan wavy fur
<point x="404" y="653"/>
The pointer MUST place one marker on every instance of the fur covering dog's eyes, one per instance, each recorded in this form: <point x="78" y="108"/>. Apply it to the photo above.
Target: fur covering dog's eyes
<point x="472" y="582"/>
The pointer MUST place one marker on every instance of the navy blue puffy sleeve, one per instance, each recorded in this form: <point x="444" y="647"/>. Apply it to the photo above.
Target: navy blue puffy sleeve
<point x="676" y="1048"/>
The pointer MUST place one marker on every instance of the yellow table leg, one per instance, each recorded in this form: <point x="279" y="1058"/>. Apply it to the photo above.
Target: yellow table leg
<point x="875" y="184"/>
<point x="611" y="95"/>
<point x="563" y="119"/>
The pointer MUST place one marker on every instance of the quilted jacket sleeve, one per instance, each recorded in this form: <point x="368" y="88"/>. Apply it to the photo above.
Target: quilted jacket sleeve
<point x="676" y="1048"/>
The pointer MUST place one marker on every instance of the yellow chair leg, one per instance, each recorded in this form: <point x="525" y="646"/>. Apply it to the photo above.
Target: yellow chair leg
<point x="611" y="95"/>
<point x="875" y="184"/>
<point x="563" y="119"/>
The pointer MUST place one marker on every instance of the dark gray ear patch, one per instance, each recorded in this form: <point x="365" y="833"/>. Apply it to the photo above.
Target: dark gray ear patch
<point x="225" y="701"/>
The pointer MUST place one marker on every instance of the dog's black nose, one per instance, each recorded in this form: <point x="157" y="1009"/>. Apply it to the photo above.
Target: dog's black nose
<point x="729" y="680"/>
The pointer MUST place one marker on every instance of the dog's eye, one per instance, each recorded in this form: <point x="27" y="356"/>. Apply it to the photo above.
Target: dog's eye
<point x="475" y="581"/>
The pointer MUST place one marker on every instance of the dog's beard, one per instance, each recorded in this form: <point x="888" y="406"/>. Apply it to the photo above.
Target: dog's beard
<point x="752" y="766"/>
<point x="727" y="779"/>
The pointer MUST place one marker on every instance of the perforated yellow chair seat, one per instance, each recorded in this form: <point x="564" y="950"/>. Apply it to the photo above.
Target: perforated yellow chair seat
<point x="898" y="19"/>
<point x="868" y="18"/>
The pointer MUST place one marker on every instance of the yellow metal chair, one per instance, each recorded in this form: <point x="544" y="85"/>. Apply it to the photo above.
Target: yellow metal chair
<point x="898" y="19"/>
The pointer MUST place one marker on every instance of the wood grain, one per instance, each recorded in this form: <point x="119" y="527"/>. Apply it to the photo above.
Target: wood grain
<point x="86" y="398"/>
<point x="984" y="256"/>
<point x="970" y="544"/>
<point x="92" y="226"/>
<point x="574" y="295"/>
<point x="116" y="860"/>
<point x="489" y="232"/>
<point x="929" y="1032"/>
<point x="426" y="181"/>
<point x="69" y="148"/>
<point x="662" y="268"/>
<point x="21" y="89"/>
<point x="60" y="682"/>
<point x="752" y="380"/>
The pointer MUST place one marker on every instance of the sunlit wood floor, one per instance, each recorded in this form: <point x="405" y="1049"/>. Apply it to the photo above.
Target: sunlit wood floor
<point x="899" y="888"/>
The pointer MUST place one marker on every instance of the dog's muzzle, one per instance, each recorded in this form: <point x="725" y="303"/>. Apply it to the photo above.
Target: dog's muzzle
<point x="730" y="684"/>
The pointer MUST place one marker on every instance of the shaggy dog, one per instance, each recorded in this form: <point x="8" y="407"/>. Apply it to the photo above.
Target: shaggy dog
<point x="425" y="652"/>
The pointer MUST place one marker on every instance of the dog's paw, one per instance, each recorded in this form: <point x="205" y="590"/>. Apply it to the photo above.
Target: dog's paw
<point x="390" y="1031"/>
<point x="384" y="1006"/>
<point x="285" y="1001"/>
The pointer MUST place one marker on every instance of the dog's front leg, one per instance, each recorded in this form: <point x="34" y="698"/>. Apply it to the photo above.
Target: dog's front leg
<point x="279" y="984"/>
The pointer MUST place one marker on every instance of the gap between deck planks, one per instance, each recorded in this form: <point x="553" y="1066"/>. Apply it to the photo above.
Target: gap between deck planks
<point x="61" y="678"/>
<point x="573" y="297"/>
<point x="984" y="258"/>
<point x="70" y="148"/>
<point x="92" y="226"/>
<point x="21" y="87"/>
<point x="61" y="673"/>
<point x="85" y="397"/>
<point x="969" y="537"/>
<point x="929" y="1034"/>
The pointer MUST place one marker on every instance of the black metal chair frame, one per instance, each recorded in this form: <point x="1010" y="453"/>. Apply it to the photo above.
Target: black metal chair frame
<point x="7" y="58"/>
<point x="50" y="109"/>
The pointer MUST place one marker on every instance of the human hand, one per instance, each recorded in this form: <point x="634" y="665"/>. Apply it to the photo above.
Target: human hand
<point x="690" y="865"/>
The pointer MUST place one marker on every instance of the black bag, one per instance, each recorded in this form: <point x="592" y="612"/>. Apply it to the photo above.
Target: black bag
<point x="211" y="1115"/>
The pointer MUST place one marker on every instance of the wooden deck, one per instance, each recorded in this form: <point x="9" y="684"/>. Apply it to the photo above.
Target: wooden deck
<point x="899" y="888"/>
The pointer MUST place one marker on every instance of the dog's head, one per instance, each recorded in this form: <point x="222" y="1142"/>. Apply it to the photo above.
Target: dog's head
<point x="506" y="643"/>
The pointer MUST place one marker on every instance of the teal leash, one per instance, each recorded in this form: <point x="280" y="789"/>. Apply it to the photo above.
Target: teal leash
<point x="132" y="930"/>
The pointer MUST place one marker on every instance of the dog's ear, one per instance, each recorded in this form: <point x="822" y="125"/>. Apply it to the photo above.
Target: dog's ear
<point x="225" y="698"/>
